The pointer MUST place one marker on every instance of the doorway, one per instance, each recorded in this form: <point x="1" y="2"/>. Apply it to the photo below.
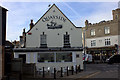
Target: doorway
<point x="23" y="56"/>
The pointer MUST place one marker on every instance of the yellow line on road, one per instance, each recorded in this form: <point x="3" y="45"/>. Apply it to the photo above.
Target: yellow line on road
<point x="88" y="76"/>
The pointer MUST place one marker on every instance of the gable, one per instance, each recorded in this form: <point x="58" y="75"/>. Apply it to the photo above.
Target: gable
<point x="55" y="25"/>
<point x="54" y="19"/>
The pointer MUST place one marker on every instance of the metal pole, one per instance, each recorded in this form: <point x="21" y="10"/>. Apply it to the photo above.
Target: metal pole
<point x="72" y="70"/>
<point x="43" y="72"/>
<point x="61" y="72"/>
<point x="67" y="71"/>
<point x="76" y="69"/>
<point x="54" y="73"/>
<point x="79" y="68"/>
<point x="84" y="51"/>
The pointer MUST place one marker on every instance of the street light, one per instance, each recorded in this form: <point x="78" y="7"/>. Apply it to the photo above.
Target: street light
<point x="84" y="30"/>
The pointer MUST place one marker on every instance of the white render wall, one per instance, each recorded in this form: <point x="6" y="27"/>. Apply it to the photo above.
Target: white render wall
<point x="114" y="40"/>
<point x="31" y="57"/>
<point x="53" y="39"/>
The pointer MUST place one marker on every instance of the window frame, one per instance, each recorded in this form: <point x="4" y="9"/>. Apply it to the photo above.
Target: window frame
<point x="43" y="40"/>
<point x="93" y="43"/>
<point x="107" y="42"/>
<point x="92" y="32"/>
<point x="66" y="40"/>
<point x="107" y="30"/>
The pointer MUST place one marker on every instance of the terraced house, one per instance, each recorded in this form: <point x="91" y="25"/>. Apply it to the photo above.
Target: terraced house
<point x="103" y="38"/>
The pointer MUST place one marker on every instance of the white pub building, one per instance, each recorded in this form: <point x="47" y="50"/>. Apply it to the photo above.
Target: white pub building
<point x="53" y="41"/>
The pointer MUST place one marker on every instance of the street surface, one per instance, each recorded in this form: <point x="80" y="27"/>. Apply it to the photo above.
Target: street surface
<point x="102" y="71"/>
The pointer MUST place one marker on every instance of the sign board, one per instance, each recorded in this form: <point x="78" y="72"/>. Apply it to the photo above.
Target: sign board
<point x="53" y="24"/>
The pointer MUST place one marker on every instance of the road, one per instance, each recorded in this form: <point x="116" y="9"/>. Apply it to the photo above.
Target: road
<point x="103" y="71"/>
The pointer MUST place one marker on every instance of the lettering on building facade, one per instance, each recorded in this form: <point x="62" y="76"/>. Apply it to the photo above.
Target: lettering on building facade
<point x="53" y="24"/>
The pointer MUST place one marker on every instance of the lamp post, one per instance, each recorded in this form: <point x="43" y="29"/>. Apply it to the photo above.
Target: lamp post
<point x="84" y="30"/>
<point x="84" y="50"/>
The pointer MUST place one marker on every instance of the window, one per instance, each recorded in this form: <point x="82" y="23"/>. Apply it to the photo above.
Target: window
<point x="107" y="30"/>
<point x="45" y="57"/>
<point x="64" y="57"/>
<point x="43" y="41"/>
<point x="54" y="57"/>
<point x="116" y="16"/>
<point x="66" y="40"/>
<point x="107" y="42"/>
<point x="100" y="41"/>
<point x="93" y="43"/>
<point x="92" y="32"/>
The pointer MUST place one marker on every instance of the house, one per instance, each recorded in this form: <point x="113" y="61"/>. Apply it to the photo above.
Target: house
<point x="53" y="41"/>
<point x="103" y="39"/>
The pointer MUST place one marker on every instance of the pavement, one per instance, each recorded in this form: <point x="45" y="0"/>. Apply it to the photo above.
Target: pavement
<point x="92" y="72"/>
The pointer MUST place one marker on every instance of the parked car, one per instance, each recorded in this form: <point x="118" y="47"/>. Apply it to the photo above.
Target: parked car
<point x="113" y="59"/>
<point x="87" y="58"/>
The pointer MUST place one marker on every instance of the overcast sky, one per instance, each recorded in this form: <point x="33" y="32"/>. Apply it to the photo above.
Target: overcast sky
<point x="20" y="13"/>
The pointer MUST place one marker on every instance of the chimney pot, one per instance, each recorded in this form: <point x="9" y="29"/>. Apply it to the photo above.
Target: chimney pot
<point x="31" y="24"/>
<point x="31" y="20"/>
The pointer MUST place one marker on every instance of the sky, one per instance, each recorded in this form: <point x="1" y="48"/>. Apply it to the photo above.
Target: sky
<point x="20" y="13"/>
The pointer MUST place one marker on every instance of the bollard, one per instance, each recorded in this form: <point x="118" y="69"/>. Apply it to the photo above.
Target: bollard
<point x="43" y="72"/>
<point x="67" y="71"/>
<point x="61" y="72"/>
<point x="79" y="68"/>
<point x="20" y="76"/>
<point x="54" y="73"/>
<point x="76" y="69"/>
<point x="72" y="70"/>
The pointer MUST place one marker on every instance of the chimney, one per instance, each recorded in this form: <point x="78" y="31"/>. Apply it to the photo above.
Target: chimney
<point x="31" y="24"/>
<point x="23" y="31"/>
<point x="21" y="40"/>
<point x="86" y="22"/>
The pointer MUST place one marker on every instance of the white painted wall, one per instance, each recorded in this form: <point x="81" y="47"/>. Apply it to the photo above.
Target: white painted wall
<point x="53" y="39"/>
<point x="114" y="40"/>
<point x="31" y="57"/>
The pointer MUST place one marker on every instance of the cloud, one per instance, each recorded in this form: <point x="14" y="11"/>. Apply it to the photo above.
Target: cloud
<point x="20" y="14"/>
<point x="102" y="12"/>
<point x="60" y="0"/>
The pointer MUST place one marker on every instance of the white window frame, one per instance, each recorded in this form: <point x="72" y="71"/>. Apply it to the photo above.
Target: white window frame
<point x="43" y="39"/>
<point x="107" y="42"/>
<point x="92" y="32"/>
<point x="107" y="30"/>
<point x="66" y="39"/>
<point x="93" y="43"/>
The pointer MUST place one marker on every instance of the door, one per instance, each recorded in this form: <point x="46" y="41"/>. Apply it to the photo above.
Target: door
<point x="23" y="56"/>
